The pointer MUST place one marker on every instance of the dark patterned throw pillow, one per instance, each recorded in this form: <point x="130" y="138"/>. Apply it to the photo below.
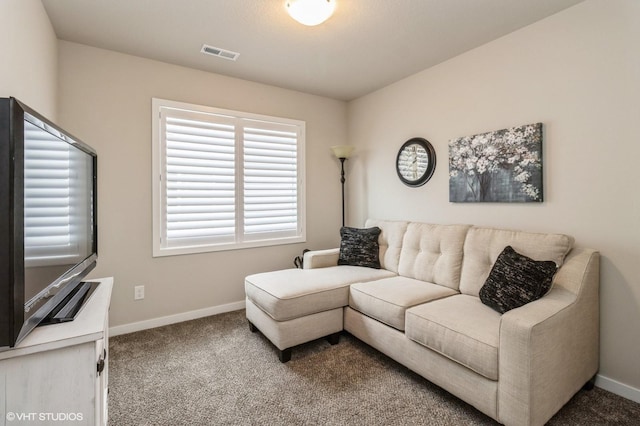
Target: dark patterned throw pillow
<point x="516" y="280"/>
<point x="359" y="247"/>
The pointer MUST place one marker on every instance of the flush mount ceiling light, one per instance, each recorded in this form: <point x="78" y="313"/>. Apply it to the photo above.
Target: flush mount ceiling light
<point x="310" y="12"/>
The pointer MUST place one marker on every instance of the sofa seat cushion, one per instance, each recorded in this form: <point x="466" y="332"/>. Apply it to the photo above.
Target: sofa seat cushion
<point x="292" y="293"/>
<point x="387" y="300"/>
<point x="461" y="328"/>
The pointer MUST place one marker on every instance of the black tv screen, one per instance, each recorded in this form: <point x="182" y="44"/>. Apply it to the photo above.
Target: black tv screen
<point x="48" y="224"/>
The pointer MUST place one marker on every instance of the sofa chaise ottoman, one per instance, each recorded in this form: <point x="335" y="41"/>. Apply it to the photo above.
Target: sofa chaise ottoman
<point x="430" y="307"/>
<point x="295" y="306"/>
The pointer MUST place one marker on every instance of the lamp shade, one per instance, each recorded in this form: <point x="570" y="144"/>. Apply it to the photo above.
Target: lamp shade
<point x="310" y="12"/>
<point x="342" y="151"/>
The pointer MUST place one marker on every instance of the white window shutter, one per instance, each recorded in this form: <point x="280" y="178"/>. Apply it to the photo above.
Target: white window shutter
<point x="199" y="180"/>
<point x="225" y="179"/>
<point x="270" y="181"/>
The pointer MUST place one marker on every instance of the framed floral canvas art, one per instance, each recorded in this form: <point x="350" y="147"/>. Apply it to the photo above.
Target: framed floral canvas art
<point x="500" y="166"/>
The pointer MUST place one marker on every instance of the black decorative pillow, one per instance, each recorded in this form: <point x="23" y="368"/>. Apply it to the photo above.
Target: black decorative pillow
<point x="359" y="247"/>
<point x="516" y="280"/>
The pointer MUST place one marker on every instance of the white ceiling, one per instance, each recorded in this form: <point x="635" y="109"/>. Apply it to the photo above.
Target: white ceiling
<point x="366" y="45"/>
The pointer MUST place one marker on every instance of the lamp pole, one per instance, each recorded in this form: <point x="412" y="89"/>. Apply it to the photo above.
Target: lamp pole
<point x="342" y="183"/>
<point x="342" y="152"/>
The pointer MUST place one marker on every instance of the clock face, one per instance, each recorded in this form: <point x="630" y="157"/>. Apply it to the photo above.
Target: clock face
<point x="416" y="162"/>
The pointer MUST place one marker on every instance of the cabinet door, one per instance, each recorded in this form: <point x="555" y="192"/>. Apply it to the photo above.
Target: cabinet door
<point x="51" y="387"/>
<point x="101" y="382"/>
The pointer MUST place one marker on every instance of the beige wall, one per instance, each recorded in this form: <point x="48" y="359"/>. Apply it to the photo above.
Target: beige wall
<point x="105" y="99"/>
<point x="578" y="72"/>
<point x="28" y="48"/>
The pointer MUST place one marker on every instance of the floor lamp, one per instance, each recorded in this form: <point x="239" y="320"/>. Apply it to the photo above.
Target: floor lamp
<point x="342" y="152"/>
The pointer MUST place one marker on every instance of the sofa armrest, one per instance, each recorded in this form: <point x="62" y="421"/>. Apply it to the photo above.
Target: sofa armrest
<point x="549" y="348"/>
<point x="321" y="258"/>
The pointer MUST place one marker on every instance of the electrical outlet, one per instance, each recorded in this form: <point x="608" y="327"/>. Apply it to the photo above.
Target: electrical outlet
<point x="138" y="292"/>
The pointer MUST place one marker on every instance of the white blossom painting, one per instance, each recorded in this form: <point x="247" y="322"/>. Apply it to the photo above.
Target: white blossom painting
<point x="500" y="166"/>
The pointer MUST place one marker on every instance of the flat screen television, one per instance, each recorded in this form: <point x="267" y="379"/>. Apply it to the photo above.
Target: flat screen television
<point x="48" y="226"/>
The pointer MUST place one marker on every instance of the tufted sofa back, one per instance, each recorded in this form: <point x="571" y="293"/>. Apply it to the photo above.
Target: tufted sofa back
<point x="483" y="245"/>
<point x="458" y="256"/>
<point x="433" y="253"/>
<point x="390" y="241"/>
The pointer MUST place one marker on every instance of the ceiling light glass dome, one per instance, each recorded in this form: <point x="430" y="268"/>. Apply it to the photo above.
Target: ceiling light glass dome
<point x="310" y="12"/>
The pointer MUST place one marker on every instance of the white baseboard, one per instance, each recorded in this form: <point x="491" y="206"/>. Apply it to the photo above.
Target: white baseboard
<point x="172" y="319"/>
<point x="618" y="388"/>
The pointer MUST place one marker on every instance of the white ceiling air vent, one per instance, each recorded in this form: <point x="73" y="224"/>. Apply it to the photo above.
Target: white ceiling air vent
<point x="220" y="53"/>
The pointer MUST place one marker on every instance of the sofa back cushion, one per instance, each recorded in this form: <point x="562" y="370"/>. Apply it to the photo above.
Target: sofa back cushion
<point x="433" y="253"/>
<point x="390" y="241"/>
<point x="483" y="246"/>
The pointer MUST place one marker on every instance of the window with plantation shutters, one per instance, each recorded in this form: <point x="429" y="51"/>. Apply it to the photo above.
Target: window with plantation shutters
<point x="225" y="179"/>
<point x="199" y="179"/>
<point x="270" y="179"/>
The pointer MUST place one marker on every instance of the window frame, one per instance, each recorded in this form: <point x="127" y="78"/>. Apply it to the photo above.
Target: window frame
<point x="241" y="240"/>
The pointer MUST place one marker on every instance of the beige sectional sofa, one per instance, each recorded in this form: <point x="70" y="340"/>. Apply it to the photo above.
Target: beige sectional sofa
<point x="422" y="309"/>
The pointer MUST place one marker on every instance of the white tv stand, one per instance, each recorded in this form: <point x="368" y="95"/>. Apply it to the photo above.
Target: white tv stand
<point x="59" y="373"/>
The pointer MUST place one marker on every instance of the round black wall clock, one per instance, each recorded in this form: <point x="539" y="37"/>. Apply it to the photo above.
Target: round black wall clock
<point x="416" y="162"/>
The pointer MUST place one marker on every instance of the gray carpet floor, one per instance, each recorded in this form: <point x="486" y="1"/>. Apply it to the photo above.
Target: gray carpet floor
<point x="214" y="371"/>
